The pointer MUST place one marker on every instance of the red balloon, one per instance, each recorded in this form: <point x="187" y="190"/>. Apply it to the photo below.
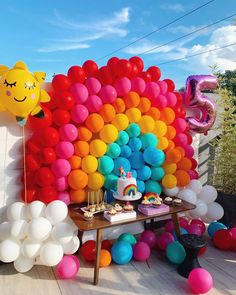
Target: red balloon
<point x="222" y="239"/>
<point x="61" y="117"/>
<point x="32" y="147"/>
<point x="40" y="123"/>
<point x="171" y="84"/>
<point x="44" y="177"/>
<point x="50" y="136"/>
<point x="88" y="250"/>
<point x="112" y="66"/>
<point x="60" y="82"/>
<point x="33" y="162"/>
<point x="202" y="251"/>
<point x="46" y="194"/>
<point x="138" y="62"/>
<point x="190" y="138"/>
<point x="146" y="76"/>
<point x="65" y="100"/>
<point x="124" y="68"/>
<point x="194" y="163"/>
<point x="104" y="75"/>
<point x="179" y="98"/>
<point x="90" y="68"/>
<point x="51" y="104"/>
<point x="180" y="112"/>
<point x="30" y="178"/>
<point x="30" y="195"/>
<point x="155" y="73"/>
<point x="48" y="155"/>
<point x="233" y="245"/>
<point x="134" y="71"/>
<point x="76" y="74"/>
<point x="107" y="244"/>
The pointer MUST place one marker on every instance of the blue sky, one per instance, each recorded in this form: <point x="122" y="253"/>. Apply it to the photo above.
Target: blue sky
<point x="53" y="35"/>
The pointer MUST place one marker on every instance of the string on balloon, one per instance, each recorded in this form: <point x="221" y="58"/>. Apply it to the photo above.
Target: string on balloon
<point x="24" y="166"/>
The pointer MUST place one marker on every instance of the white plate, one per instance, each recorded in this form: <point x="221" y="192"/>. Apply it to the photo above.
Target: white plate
<point x="128" y="198"/>
<point x="85" y="209"/>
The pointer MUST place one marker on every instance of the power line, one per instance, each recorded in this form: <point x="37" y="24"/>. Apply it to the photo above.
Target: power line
<point x="186" y="35"/>
<point x="196" y="54"/>
<point x="157" y="30"/>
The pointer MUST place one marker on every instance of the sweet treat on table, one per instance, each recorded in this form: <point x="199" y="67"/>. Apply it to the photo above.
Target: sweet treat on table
<point x="146" y="202"/>
<point x="177" y="202"/>
<point x="88" y="215"/>
<point x="98" y="208"/>
<point x="128" y="207"/>
<point x="118" y="207"/>
<point x="92" y="208"/>
<point x="103" y="207"/>
<point x="112" y="211"/>
<point x="157" y="202"/>
<point x="151" y="196"/>
<point x="126" y="185"/>
<point x="168" y="200"/>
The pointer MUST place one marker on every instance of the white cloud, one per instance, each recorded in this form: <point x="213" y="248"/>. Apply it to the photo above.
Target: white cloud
<point x="187" y="29"/>
<point x="145" y="46"/>
<point x="177" y="7"/>
<point x="108" y="27"/>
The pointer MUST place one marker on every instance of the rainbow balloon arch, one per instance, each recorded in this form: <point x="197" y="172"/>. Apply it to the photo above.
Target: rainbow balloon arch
<point x="99" y="119"/>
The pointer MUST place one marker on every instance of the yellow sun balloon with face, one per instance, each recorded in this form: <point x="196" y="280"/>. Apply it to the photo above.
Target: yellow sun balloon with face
<point x="20" y="92"/>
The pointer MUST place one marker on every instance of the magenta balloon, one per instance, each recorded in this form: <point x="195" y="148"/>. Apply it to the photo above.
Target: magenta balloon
<point x="61" y="167"/>
<point x="183" y="222"/>
<point x="93" y="85"/>
<point x="160" y="102"/>
<point x="138" y="85"/>
<point x="108" y="94"/>
<point x="68" y="132"/>
<point x="163" y="87"/>
<point x="189" y="151"/>
<point x="181" y="139"/>
<point x="79" y="113"/>
<point x="169" y="226"/>
<point x="68" y="267"/>
<point x="201" y="224"/>
<point x="200" y="281"/>
<point x="148" y="237"/>
<point x="64" y="197"/>
<point x="152" y="90"/>
<point x="195" y="99"/>
<point x="93" y="103"/>
<point x="122" y="86"/>
<point x="64" y="149"/>
<point x="171" y="99"/>
<point x="194" y="229"/>
<point x="164" y="240"/>
<point x="80" y="93"/>
<point x="233" y="232"/>
<point x="193" y="174"/>
<point x="180" y="125"/>
<point x="61" y="184"/>
<point x="141" y="251"/>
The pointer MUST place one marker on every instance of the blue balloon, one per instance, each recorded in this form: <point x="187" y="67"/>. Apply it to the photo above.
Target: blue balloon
<point x="125" y="151"/>
<point x="105" y="165"/>
<point x="154" y="156"/>
<point x="141" y="186"/>
<point x="121" y="252"/>
<point x="113" y="150"/>
<point x="123" y="138"/>
<point x="121" y="162"/>
<point x="110" y="182"/>
<point x="151" y="186"/>
<point x="134" y="173"/>
<point x="135" y="144"/>
<point x="148" y="139"/>
<point x="136" y="160"/>
<point x="183" y="231"/>
<point x="175" y="252"/>
<point x="144" y="173"/>
<point x="157" y="173"/>
<point x="133" y="130"/>
<point x="109" y="197"/>
<point x="215" y="226"/>
<point x="127" y="237"/>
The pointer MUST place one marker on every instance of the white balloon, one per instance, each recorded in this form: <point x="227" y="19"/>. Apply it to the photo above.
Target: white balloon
<point x="30" y="248"/>
<point x="71" y="222"/>
<point x="51" y="253"/>
<point x="188" y="196"/>
<point x="171" y="192"/>
<point x="9" y="250"/>
<point x="206" y="219"/>
<point x="5" y="230"/>
<point x="63" y="232"/>
<point x="200" y="210"/>
<point x="39" y="229"/>
<point x="16" y="211"/>
<point x="208" y="194"/>
<point x="56" y="212"/>
<point x="72" y="246"/>
<point x="36" y="209"/>
<point x="23" y="264"/>
<point x="195" y="186"/>
<point x="19" y="229"/>
<point x="215" y="211"/>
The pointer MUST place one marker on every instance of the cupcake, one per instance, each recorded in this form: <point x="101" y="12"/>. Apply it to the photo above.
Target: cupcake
<point x="146" y="202"/>
<point x="128" y="207"/>
<point x="98" y="208"/>
<point x="103" y="207"/>
<point x="88" y="215"/>
<point x="118" y="207"/>
<point x="157" y="202"/>
<point x="177" y="202"/>
<point x="92" y="208"/>
<point x="168" y="200"/>
<point x="112" y="211"/>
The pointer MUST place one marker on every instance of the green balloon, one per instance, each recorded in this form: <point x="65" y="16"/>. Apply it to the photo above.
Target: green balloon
<point x="127" y="237"/>
<point x="148" y="139"/>
<point x="175" y="252"/>
<point x="105" y="165"/>
<point x="157" y="173"/>
<point x="113" y="150"/>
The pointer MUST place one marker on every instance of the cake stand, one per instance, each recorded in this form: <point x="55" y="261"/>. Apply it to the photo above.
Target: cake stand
<point x="127" y="198"/>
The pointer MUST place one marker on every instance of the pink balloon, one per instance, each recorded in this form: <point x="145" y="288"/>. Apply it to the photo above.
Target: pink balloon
<point x="163" y="87"/>
<point x="148" y="237"/>
<point x="189" y="151"/>
<point x="141" y="251"/>
<point x="233" y="232"/>
<point x="180" y="125"/>
<point x="201" y="224"/>
<point x="138" y="85"/>
<point x="183" y="222"/>
<point x="68" y="267"/>
<point x="160" y="102"/>
<point x="80" y="92"/>
<point x="108" y="94"/>
<point x="68" y="132"/>
<point x="64" y="150"/>
<point x="164" y="240"/>
<point x="171" y="99"/>
<point x="93" y="103"/>
<point x="93" y="85"/>
<point x="194" y="229"/>
<point x="200" y="281"/>
<point x="61" y="167"/>
<point x="152" y="90"/>
<point x="61" y="184"/>
<point x="122" y="86"/>
<point x="79" y="113"/>
<point x="193" y="174"/>
<point x="64" y="197"/>
<point x="181" y="139"/>
<point x="169" y="226"/>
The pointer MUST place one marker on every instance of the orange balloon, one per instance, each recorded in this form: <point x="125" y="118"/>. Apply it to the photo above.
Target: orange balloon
<point x="183" y="177"/>
<point x="131" y="99"/>
<point x="119" y="105"/>
<point x="105" y="258"/>
<point x="171" y="145"/>
<point x="169" y="168"/>
<point x="171" y="132"/>
<point x="181" y="150"/>
<point x="144" y="105"/>
<point x="154" y="113"/>
<point x="78" y="196"/>
<point x="84" y="133"/>
<point x="173" y="156"/>
<point x="184" y="164"/>
<point x="78" y="179"/>
<point x="162" y="143"/>
<point x="167" y="115"/>
<point x="107" y="112"/>
<point x="81" y="148"/>
<point x="94" y="122"/>
<point x="75" y="162"/>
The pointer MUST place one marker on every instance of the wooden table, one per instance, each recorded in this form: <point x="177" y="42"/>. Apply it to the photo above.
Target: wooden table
<point x="98" y="223"/>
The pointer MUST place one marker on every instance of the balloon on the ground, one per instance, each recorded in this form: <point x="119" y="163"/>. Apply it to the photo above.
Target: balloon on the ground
<point x="200" y="281"/>
<point x="121" y="252"/>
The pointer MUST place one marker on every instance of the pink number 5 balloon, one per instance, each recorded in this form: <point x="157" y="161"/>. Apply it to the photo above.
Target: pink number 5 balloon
<point x="195" y="99"/>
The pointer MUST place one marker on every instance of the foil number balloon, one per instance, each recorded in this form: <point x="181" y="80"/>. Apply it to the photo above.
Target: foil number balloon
<point x="20" y="92"/>
<point x="195" y="99"/>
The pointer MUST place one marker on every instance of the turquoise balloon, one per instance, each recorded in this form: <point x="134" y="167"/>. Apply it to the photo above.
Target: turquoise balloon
<point x="148" y="139"/>
<point x="133" y="130"/>
<point x="105" y="165"/>
<point x="144" y="173"/>
<point x="113" y="150"/>
<point x="175" y="252"/>
<point x="157" y="173"/>
<point x="110" y="182"/>
<point x="121" y="162"/>
<point x="135" y="144"/>
<point x="123" y="138"/>
<point x="151" y="186"/>
<point x="154" y="156"/>
<point x="134" y="173"/>
<point x="183" y="231"/>
<point x="141" y="186"/>
<point x="127" y="237"/>
<point x="214" y="227"/>
<point x="121" y="252"/>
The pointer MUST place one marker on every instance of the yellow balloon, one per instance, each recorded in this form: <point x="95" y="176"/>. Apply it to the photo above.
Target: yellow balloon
<point x="169" y="168"/>
<point x="169" y="181"/>
<point x="163" y="143"/>
<point x="121" y="121"/>
<point x="109" y="133"/>
<point x="20" y="92"/>
<point x="160" y="128"/>
<point x="95" y="181"/>
<point x="146" y="124"/>
<point x="97" y="148"/>
<point x="133" y="114"/>
<point x="89" y="164"/>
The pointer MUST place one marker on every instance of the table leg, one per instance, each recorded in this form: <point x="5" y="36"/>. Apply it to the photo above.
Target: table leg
<point x="98" y="252"/>
<point x="80" y="236"/>
<point x="176" y="223"/>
